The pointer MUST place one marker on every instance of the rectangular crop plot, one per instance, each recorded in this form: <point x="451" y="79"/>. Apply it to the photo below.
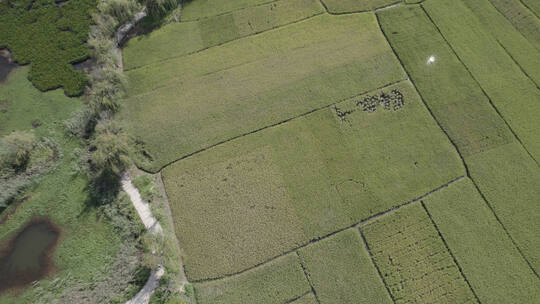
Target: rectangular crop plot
<point x="413" y="260"/>
<point x="189" y="103"/>
<point x="341" y="271"/>
<point x="524" y="53"/>
<point x="276" y="282"/>
<point x="490" y="261"/>
<point x="180" y="39"/>
<point x="516" y="96"/>
<point x="453" y="96"/>
<point x="195" y="10"/>
<point x="522" y="18"/>
<point x="510" y="181"/>
<point x="350" y="6"/>
<point x="246" y="201"/>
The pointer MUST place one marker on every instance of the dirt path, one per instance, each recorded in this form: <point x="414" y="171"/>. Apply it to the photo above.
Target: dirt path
<point x="152" y="225"/>
<point x="141" y="206"/>
<point x="143" y="297"/>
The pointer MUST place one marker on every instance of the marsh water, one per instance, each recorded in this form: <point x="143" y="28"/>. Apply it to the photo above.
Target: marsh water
<point x="28" y="256"/>
<point x="6" y="64"/>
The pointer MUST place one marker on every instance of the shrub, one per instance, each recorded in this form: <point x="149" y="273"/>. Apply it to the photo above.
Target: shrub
<point x="50" y="38"/>
<point x="109" y="149"/>
<point x="15" y="149"/>
<point x="146" y="187"/>
<point x="122" y="10"/>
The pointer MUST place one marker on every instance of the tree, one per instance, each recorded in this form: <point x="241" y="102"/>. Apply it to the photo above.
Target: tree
<point x="15" y="149"/>
<point x="109" y="149"/>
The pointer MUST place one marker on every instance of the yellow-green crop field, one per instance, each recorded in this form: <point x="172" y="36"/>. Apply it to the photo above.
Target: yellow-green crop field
<point x="336" y="152"/>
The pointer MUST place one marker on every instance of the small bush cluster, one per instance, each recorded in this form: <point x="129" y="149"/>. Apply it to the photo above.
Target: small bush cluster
<point x="146" y="187"/>
<point x="50" y="37"/>
<point x="23" y="158"/>
<point x="392" y="101"/>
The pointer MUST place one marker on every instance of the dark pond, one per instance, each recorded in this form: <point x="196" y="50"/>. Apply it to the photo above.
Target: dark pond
<point x="6" y="64"/>
<point x="28" y="256"/>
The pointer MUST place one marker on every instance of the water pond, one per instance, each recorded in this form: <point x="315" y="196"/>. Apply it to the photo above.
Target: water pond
<point x="6" y="64"/>
<point x="28" y="256"/>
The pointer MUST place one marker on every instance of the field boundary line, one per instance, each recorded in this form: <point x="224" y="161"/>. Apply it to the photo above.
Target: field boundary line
<point x="450" y="251"/>
<point x="480" y="86"/>
<point x="315" y="240"/>
<point x="306" y="274"/>
<point x="274" y="124"/>
<point x="517" y="63"/>
<point x="393" y="4"/>
<point x="532" y="11"/>
<point x="219" y="44"/>
<point x="510" y="21"/>
<point x="298" y="298"/>
<point x="455" y="146"/>
<point x="372" y="259"/>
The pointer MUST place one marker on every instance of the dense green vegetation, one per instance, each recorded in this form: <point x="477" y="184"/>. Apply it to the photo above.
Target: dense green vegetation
<point x="226" y="95"/>
<point x="496" y="270"/>
<point x="50" y="37"/>
<point x="97" y="240"/>
<point x="275" y="282"/>
<point x="341" y="270"/>
<point x="350" y="6"/>
<point x="195" y="36"/>
<point x="413" y="260"/>
<point x="243" y="202"/>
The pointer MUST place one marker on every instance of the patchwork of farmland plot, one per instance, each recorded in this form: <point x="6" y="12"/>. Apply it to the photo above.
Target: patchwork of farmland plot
<point x="346" y="152"/>
<point x="254" y="82"/>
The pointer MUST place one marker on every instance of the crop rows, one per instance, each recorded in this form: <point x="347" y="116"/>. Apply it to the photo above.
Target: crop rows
<point x="413" y="260"/>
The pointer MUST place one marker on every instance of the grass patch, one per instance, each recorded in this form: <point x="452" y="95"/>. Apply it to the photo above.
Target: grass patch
<point x="533" y="5"/>
<point x="413" y="260"/>
<point x="276" y="282"/>
<point x="494" y="267"/>
<point x="518" y="99"/>
<point x="243" y="202"/>
<point x="516" y="45"/>
<point x="147" y="188"/>
<point x="349" y="6"/>
<point x="88" y="243"/>
<point x="198" y="9"/>
<point x="226" y="94"/>
<point x="341" y="270"/>
<point x="448" y="89"/>
<point x="179" y="39"/>
<point x="522" y="18"/>
<point x="50" y="37"/>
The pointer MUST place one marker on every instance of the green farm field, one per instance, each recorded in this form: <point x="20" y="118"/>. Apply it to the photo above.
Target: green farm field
<point x="336" y="152"/>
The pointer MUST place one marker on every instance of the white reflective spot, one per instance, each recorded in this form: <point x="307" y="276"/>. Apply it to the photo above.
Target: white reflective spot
<point x="431" y="59"/>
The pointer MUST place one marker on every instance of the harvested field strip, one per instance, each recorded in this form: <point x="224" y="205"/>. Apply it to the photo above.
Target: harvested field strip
<point x="351" y="6"/>
<point x="510" y="181"/>
<point x="496" y="270"/>
<point x="180" y="39"/>
<point x="195" y="10"/>
<point x="517" y="46"/>
<point x="518" y="100"/>
<point x="521" y="17"/>
<point x="341" y="270"/>
<point x="449" y="91"/>
<point x="226" y="95"/>
<point x="279" y="281"/>
<point x="219" y="212"/>
<point x="414" y="261"/>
